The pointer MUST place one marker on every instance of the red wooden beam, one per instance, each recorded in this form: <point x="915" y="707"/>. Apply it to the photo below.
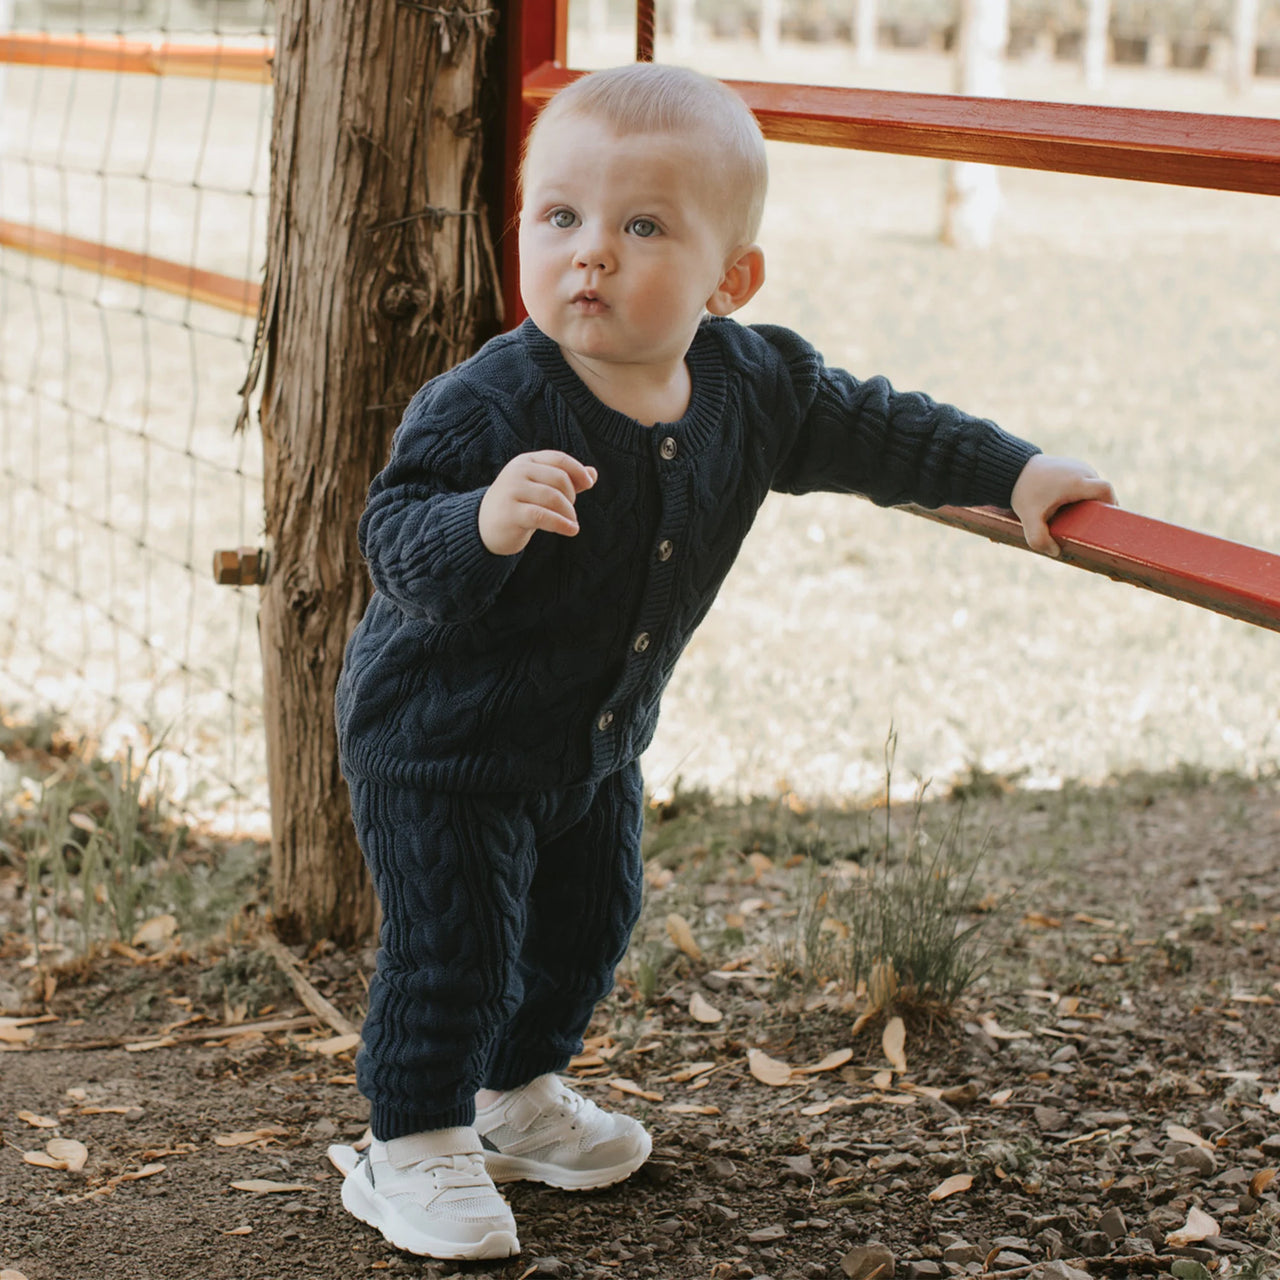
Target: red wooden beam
<point x="1229" y="153"/>
<point x="83" y="53"/>
<point x="1228" y="577"/>
<point x="209" y="287"/>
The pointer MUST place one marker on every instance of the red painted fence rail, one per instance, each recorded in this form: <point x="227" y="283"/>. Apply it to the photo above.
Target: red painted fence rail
<point x="1227" y="153"/>
<point x="1222" y="152"/>
<point x="1230" y="153"/>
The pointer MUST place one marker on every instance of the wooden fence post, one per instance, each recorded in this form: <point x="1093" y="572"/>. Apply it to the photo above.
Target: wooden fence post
<point x="379" y="275"/>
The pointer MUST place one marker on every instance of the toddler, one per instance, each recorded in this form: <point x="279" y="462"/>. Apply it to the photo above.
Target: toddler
<point x="556" y="517"/>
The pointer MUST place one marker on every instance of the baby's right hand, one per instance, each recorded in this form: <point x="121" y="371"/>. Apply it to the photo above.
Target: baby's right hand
<point x="533" y="491"/>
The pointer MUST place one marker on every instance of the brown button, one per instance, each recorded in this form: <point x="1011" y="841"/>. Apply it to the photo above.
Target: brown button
<point x="605" y="721"/>
<point x="641" y="642"/>
<point x="665" y="548"/>
<point x="668" y="448"/>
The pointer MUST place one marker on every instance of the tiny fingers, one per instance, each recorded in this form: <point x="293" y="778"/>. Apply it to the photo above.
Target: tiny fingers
<point x="1039" y="539"/>
<point x="535" y="515"/>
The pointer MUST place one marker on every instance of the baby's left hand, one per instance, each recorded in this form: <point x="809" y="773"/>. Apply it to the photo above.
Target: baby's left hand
<point x="1048" y="484"/>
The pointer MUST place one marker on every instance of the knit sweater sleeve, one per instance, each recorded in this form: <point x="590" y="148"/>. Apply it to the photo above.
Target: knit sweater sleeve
<point x="419" y="533"/>
<point x="863" y="436"/>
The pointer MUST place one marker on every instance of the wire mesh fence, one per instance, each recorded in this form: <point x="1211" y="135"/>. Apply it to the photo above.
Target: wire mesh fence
<point x="122" y="196"/>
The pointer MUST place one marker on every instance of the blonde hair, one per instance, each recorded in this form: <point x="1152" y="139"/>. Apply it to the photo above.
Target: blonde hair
<point x="649" y="97"/>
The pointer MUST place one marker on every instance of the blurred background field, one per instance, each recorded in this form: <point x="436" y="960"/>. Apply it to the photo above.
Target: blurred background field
<point x="1132" y="325"/>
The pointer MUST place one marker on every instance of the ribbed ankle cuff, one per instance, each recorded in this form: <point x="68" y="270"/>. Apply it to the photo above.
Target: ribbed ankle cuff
<point x="514" y="1067"/>
<point x="389" y="1123"/>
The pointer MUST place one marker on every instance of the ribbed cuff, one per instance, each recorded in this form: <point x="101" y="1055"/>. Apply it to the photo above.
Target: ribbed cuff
<point x="514" y="1066"/>
<point x="390" y="1122"/>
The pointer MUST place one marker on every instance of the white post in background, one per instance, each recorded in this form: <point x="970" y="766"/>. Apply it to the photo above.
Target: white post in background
<point x="1244" y="46"/>
<point x="597" y="20"/>
<point x="682" y="27"/>
<point x="865" y="26"/>
<point x="6" y="21"/>
<point x="1096" y="42"/>
<point x="770" y="26"/>
<point x="973" y="190"/>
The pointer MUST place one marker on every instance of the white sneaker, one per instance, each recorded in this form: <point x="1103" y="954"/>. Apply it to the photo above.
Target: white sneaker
<point x="429" y="1193"/>
<point x="546" y="1132"/>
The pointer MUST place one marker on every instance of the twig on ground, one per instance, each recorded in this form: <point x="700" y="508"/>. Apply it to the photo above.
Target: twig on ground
<point x="225" y="1032"/>
<point x="303" y="989"/>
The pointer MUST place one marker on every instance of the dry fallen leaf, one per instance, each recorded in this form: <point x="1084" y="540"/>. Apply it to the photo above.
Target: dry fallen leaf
<point x="155" y="932"/>
<point x="74" y="1155"/>
<point x="145" y="1046"/>
<point x="1000" y="1097"/>
<point x="1198" y="1226"/>
<point x="987" y="1021"/>
<point x="692" y="1072"/>
<point x="42" y="1160"/>
<point x="692" y="1109"/>
<point x="893" y="1041"/>
<point x="334" y="1045"/>
<point x="37" y="1122"/>
<point x="629" y="1086"/>
<point x="7" y="1273"/>
<point x="680" y="933"/>
<point x="821" y="1108"/>
<point x="243" y="1138"/>
<point x="836" y="1058"/>
<point x="702" y="1010"/>
<point x="951" y="1186"/>
<point x="9" y="1034"/>
<point x="265" y="1187"/>
<point x="768" y="1070"/>
<point x="1180" y="1134"/>
<point x="239" y="1231"/>
<point x="1261" y="1181"/>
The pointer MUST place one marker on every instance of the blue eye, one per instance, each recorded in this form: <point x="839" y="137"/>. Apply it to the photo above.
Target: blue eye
<point x="562" y="218"/>
<point x="643" y="227"/>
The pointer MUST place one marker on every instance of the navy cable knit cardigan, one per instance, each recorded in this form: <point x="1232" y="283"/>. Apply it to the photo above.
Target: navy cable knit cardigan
<point x="476" y="672"/>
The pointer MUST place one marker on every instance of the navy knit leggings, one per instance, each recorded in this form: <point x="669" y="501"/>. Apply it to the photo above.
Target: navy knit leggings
<point x="504" y="917"/>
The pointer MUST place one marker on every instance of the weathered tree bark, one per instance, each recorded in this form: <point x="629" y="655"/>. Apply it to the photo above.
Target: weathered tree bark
<point x="379" y="274"/>
<point x="973" y="190"/>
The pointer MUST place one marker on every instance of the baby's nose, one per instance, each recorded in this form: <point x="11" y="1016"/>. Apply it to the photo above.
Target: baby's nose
<point x="592" y="253"/>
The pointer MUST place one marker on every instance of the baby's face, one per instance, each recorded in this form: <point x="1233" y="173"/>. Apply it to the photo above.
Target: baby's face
<point x="621" y="240"/>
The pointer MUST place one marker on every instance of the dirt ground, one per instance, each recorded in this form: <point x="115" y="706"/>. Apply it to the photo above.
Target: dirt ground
<point x="1131" y="990"/>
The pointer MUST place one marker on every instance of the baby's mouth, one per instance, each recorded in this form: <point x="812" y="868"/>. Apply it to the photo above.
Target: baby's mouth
<point x="588" y="300"/>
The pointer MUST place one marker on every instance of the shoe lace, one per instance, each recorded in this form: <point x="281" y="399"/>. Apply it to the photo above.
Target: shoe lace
<point x="449" y="1172"/>
<point x="571" y="1105"/>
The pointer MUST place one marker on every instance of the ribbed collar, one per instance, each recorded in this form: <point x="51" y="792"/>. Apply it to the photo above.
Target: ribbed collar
<point x="701" y="420"/>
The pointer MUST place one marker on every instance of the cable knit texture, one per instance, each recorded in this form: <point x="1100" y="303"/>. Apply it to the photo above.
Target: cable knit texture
<point x="492" y="709"/>
<point x="504" y="918"/>
<point x="476" y="672"/>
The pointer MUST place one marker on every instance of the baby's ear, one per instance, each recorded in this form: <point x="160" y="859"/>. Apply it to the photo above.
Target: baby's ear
<point x="741" y="281"/>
